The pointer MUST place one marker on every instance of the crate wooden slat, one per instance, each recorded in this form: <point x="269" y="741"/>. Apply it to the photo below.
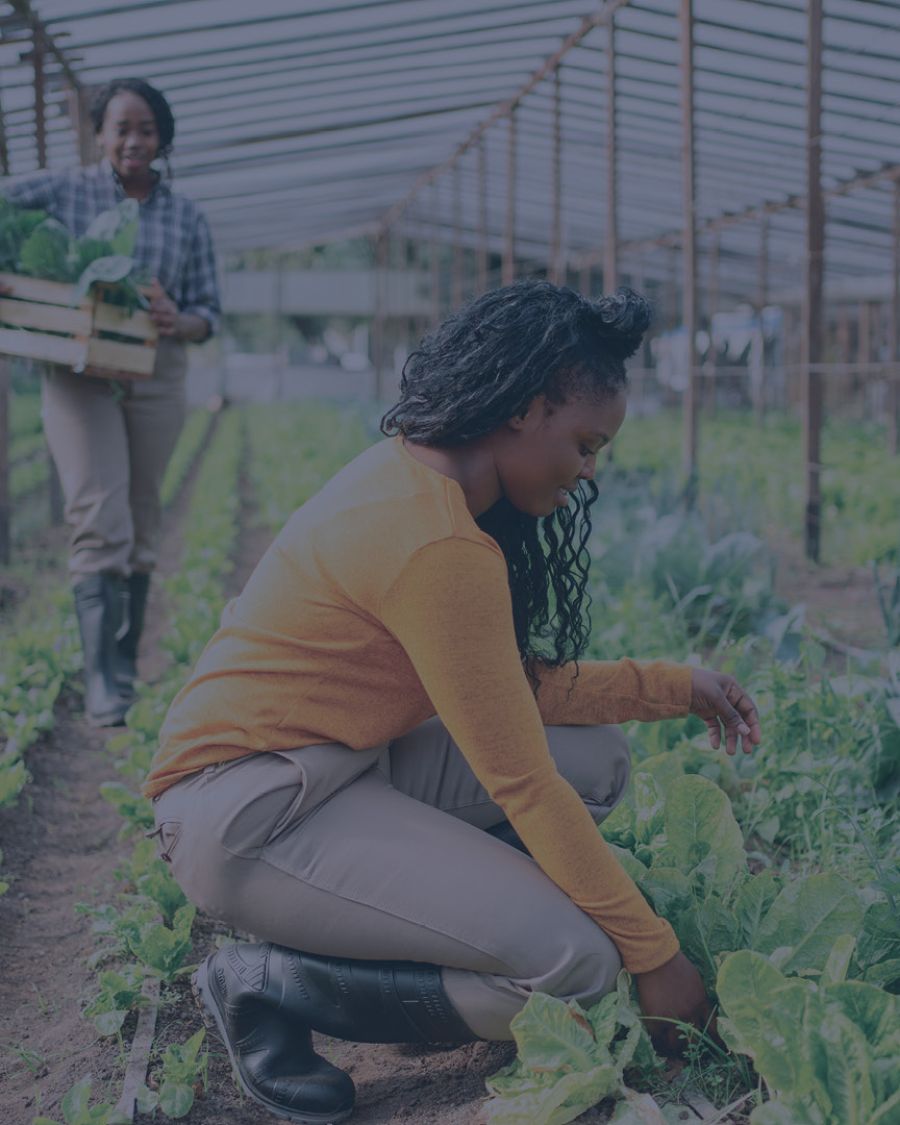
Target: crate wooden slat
<point x="46" y="318"/>
<point x="38" y="321"/>
<point x="114" y="356"/>
<point x="114" y="318"/>
<point x="65" y="350"/>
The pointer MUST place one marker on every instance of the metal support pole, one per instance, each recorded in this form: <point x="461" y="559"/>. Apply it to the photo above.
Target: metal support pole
<point x="40" y="114"/>
<point x="893" y="402"/>
<point x="79" y="115"/>
<point x="509" y="247"/>
<point x="482" y="263"/>
<point x="5" y="510"/>
<point x="556" y="173"/>
<point x="762" y="299"/>
<point x="842" y="335"/>
<point x="611" y="245"/>
<point x="433" y="260"/>
<point x="456" y="277"/>
<point x="689" y="250"/>
<point x="864" y="332"/>
<point x="811" y="354"/>
<point x="4" y="146"/>
<point x="712" y="301"/>
<point x="378" y="323"/>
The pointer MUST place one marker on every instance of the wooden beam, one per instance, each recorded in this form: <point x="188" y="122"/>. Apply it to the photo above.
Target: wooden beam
<point x="611" y="242"/>
<point x="5" y="511"/>
<point x="893" y="402"/>
<point x="506" y="109"/>
<point x="40" y="109"/>
<point x="509" y="245"/>
<point x="79" y="115"/>
<point x="811" y="341"/>
<point x="456" y="276"/>
<point x="689" y="249"/>
<point x="888" y="173"/>
<point x="4" y="146"/>
<point x="555" y="262"/>
<point x="762" y="299"/>
<point x="434" y="262"/>
<point x="482" y="261"/>
<point x="378" y="322"/>
<point x="712" y="307"/>
<point x="23" y="9"/>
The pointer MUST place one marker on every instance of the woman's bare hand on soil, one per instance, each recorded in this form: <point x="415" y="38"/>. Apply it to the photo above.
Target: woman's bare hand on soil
<point x="673" y="992"/>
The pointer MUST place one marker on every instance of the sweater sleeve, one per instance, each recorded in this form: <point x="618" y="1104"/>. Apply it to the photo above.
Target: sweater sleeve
<point x="450" y="609"/>
<point x="612" y="691"/>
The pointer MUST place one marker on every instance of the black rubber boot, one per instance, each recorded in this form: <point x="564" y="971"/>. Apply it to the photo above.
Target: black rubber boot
<point x="264" y="1000"/>
<point x="135" y="588"/>
<point x="98" y="605"/>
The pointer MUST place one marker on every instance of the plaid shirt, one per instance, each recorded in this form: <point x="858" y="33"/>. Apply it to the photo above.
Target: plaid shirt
<point x="173" y="242"/>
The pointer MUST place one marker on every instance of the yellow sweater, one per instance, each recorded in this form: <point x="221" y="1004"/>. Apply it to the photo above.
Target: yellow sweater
<point x="381" y="603"/>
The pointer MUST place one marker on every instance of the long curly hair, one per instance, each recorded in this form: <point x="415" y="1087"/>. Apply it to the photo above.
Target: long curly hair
<point x="483" y="366"/>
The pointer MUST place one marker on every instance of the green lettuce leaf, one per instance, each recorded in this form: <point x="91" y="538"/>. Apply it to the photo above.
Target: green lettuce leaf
<point x="702" y="833"/>
<point x="115" y="267"/>
<point x="766" y="1014"/>
<point x="807" y="917"/>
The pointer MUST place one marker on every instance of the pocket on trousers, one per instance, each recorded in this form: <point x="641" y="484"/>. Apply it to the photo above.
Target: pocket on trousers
<point x="166" y="834"/>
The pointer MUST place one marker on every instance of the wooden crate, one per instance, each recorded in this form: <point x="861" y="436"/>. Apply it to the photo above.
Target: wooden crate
<point x="76" y="336"/>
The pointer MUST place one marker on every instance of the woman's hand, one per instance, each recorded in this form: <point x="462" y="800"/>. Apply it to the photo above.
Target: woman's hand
<point x="674" y="991"/>
<point x="720" y="699"/>
<point x="163" y="310"/>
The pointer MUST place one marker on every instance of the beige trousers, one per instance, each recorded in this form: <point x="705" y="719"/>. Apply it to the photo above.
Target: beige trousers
<point x="381" y="855"/>
<point x="111" y="443"/>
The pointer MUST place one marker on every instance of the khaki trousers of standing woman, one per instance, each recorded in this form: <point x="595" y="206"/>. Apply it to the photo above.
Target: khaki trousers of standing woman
<point x="382" y="855"/>
<point x="111" y="442"/>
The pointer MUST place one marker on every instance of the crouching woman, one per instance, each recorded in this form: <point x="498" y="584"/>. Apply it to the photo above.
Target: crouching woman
<point x="390" y="761"/>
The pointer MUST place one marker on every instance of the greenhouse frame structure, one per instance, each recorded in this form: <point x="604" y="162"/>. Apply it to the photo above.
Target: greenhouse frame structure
<point x="717" y="152"/>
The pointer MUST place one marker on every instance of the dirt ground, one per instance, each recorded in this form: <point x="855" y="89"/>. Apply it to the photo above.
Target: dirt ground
<point x="61" y="848"/>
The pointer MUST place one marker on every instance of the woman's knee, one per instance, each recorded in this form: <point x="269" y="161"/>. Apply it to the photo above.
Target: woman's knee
<point x="580" y="963"/>
<point x="596" y="761"/>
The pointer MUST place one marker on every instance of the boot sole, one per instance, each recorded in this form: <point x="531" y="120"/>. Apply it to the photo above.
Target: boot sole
<point x="209" y="1012"/>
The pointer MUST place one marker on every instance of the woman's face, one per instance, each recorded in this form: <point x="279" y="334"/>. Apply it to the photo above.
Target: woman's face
<point x="129" y="136"/>
<point x="546" y="451"/>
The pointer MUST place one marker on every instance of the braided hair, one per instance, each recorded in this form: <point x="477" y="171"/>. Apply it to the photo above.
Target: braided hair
<point x="483" y="366"/>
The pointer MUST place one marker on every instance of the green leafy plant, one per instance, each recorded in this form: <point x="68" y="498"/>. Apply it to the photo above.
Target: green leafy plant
<point x="16" y="226"/>
<point x="149" y="877"/>
<point x="568" y="1059"/>
<point x="36" y="245"/>
<point x="77" y="1110"/>
<point x="119" y="993"/>
<point x="183" y="1072"/>
<point x="829" y="1051"/>
<point x="45" y="253"/>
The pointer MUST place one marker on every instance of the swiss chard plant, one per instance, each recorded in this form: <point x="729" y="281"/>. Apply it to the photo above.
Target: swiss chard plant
<point x="568" y="1058"/>
<point x="828" y="1050"/>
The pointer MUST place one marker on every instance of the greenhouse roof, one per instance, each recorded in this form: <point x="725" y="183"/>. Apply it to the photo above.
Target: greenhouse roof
<point x="303" y="122"/>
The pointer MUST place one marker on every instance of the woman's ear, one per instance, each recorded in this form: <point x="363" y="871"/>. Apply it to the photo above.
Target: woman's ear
<point x="532" y="413"/>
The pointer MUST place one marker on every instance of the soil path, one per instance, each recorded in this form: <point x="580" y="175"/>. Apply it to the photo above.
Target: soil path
<point x="61" y="847"/>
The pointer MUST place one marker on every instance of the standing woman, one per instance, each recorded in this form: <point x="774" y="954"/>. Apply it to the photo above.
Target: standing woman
<point x="111" y="441"/>
<point x="395" y="706"/>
